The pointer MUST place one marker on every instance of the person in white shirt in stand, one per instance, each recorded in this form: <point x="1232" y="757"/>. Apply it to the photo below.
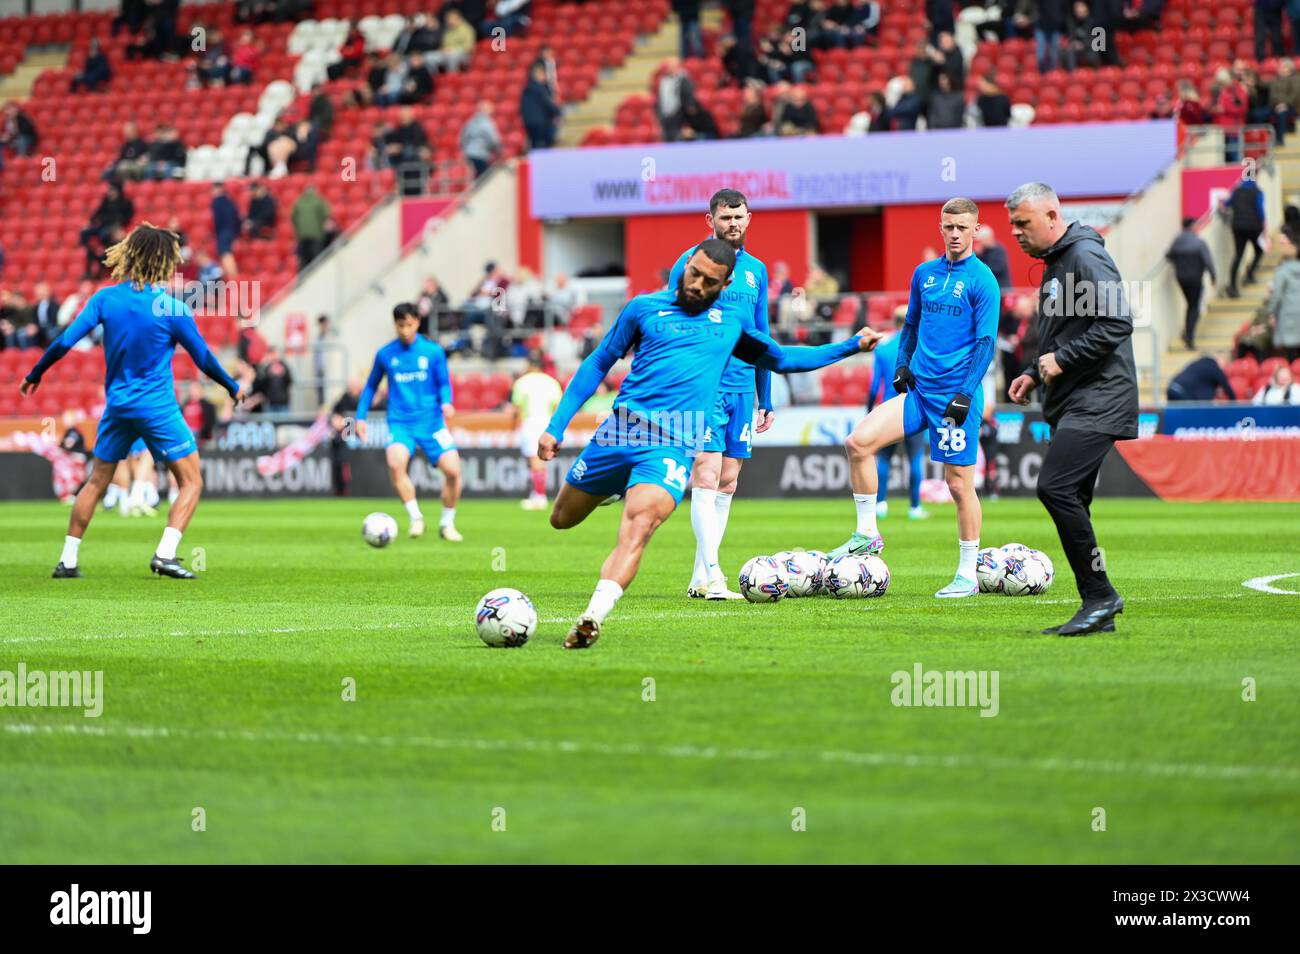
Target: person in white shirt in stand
<point x="533" y="400"/>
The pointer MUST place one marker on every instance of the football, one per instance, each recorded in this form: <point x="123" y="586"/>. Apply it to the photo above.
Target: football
<point x="1046" y="561"/>
<point x="1025" y="574"/>
<point x="847" y="577"/>
<point x="990" y="563"/>
<point x="877" y="578"/>
<point x="505" y="618"/>
<point x="762" y="580"/>
<point x="1014" y="548"/>
<point x="802" y="571"/>
<point x="379" y="529"/>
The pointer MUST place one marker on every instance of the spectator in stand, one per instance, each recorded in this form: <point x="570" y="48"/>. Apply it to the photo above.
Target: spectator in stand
<point x="245" y="59"/>
<point x="1189" y="109"/>
<point x="1145" y="15"/>
<point x="991" y="253"/>
<point x="875" y="118"/>
<point x="992" y="104"/>
<point x="1201" y="380"/>
<point x="479" y="140"/>
<point x="407" y="150"/>
<point x="342" y="415"/>
<point x="863" y="21"/>
<point x="115" y="211"/>
<point x="799" y="118"/>
<point x="675" y="90"/>
<point x="131" y="158"/>
<point x="17" y="131"/>
<point x="907" y="110"/>
<point x="320" y="347"/>
<point x="226" y="227"/>
<point x="208" y="275"/>
<point x="1162" y="108"/>
<point x="416" y="37"/>
<point x="95" y="73"/>
<point x="71" y="306"/>
<point x="938" y="13"/>
<point x="1284" y="94"/>
<point x="273" y="385"/>
<point x="1293" y="15"/>
<point x="419" y="81"/>
<point x="352" y="54"/>
<point x="562" y="297"/>
<point x="251" y="347"/>
<point x="379" y="133"/>
<point x="1108" y="17"/>
<point x="1191" y="259"/>
<point x="42" y="317"/>
<point x="778" y="286"/>
<point x="432" y="303"/>
<point x="306" y="144"/>
<point x="1231" y="103"/>
<point x="457" y="42"/>
<point x="262" y="215"/>
<point x="279" y="129"/>
<point x="1010" y="318"/>
<point x="538" y="110"/>
<point x="310" y="213"/>
<point x="1280" y="389"/>
<point x="822" y="292"/>
<point x="1284" y="306"/>
<point x="688" y="15"/>
<point x="166" y="154"/>
<point x="546" y="60"/>
<point x="214" y="64"/>
<point x="753" y="114"/>
<point x="742" y="21"/>
<point x="947" y="108"/>
<point x="697" y="122"/>
<point x="1081" y="40"/>
<point x="320" y="111"/>
<point x="509" y="17"/>
<point x="393" y="82"/>
<point x="921" y="70"/>
<point x="1245" y="205"/>
<point x="200" y="414"/>
<point x="1268" y="24"/>
<point x="13" y="332"/>
<point x="946" y="59"/>
<point x="1049" y="18"/>
<point x="740" y="62"/>
<point x="1259" y="108"/>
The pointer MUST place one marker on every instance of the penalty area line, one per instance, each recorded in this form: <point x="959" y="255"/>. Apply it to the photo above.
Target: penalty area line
<point x="685" y="752"/>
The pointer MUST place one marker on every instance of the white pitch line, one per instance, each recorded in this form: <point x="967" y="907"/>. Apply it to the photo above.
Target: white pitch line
<point x="1263" y="584"/>
<point x="709" y="753"/>
<point x="628" y="617"/>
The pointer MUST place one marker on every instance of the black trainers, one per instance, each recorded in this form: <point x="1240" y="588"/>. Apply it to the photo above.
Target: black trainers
<point x="62" y="572"/>
<point x="170" y="568"/>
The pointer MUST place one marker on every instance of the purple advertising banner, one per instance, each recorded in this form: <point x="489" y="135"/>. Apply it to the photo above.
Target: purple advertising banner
<point x="1078" y="160"/>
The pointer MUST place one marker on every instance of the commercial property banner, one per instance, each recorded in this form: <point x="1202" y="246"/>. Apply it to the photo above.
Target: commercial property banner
<point x="1087" y="159"/>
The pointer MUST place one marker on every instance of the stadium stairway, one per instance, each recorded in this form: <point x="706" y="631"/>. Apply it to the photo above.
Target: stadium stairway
<point x="19" y="83"/>
<point x="599" y="109"/>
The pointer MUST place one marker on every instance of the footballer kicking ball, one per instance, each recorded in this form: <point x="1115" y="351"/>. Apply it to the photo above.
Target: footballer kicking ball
<point x="505" y="618"/>
<point x="762" y="581"/>
<point x="802" y="571"/>
<point x="379" y="529"/>
<point x="1026" y="575"/>
<point x="990" y="564"/>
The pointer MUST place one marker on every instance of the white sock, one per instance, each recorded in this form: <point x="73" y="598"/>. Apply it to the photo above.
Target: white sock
<point x="413" y="508"/>
<point x="124" y="502"/>
<point x="70" y="547"/>
<point x="137" y="493"/>
<point x="111" y="495"/>
<point x="866" y="506"/>
<point x="603" y="600"/>
<point x="171" y="539"/>
<point x="448" y="517"/>
<point x="704" y="521"/>
<point x="151" y="498"/>
<point x="968" y="550"/>
<point x="724" y="511"/>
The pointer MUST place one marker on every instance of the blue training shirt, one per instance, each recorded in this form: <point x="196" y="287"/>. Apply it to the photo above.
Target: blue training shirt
<point x="678" y="361"/>
<point x="882" y="371"/>
<point x="418" y="382"/>
<point x="951" y="327"/>
<point x="746" y="296"/>
<point x="142" y="327"/>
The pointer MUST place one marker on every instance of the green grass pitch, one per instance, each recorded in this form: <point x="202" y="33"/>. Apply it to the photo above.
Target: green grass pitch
<point x="225" y="694"/>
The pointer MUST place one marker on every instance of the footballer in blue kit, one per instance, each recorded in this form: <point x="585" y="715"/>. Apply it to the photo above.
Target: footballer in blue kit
<point x="731" y="424"/>
<point x="944" y="350"/>
<point x="419" y="402"/>
<point x="142" y="325"/>
<point x="682" y="341"/>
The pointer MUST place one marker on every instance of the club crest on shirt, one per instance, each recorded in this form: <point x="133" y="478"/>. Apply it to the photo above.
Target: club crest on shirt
<point x="956" y="292"/>
<point x="750" y="280"/>
<point x="392" y="362"/>
<point x="715" y="315"/>
<point x="424" y="363"/>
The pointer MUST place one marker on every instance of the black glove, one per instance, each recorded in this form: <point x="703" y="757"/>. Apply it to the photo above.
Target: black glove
<point x="903" y="379"/>
<point x="958" y="408"/>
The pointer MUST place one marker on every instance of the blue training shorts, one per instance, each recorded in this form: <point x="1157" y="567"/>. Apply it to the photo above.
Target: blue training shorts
<point x="731" y="425"/>
<point x="433" y="438"/>
<point x="949" y="444"/>
<point x="164" y="432"/>
<point x="605" y="469"/>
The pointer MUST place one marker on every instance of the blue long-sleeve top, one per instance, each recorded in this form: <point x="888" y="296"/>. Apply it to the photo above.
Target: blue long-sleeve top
<point x="418" y="382"/>
<point x="951" y="328"/>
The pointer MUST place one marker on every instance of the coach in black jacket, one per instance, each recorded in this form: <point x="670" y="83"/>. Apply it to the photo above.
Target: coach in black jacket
<point x="1085" y="367"/>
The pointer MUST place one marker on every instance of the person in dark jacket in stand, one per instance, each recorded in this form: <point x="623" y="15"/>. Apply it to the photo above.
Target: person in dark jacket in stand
<point x="1201" y="380"/>
<point x="1084" y="364"/>
<point x="1245" y="205"/>
<point x="539" y="111"/>
<point x="1191" y="259"/>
